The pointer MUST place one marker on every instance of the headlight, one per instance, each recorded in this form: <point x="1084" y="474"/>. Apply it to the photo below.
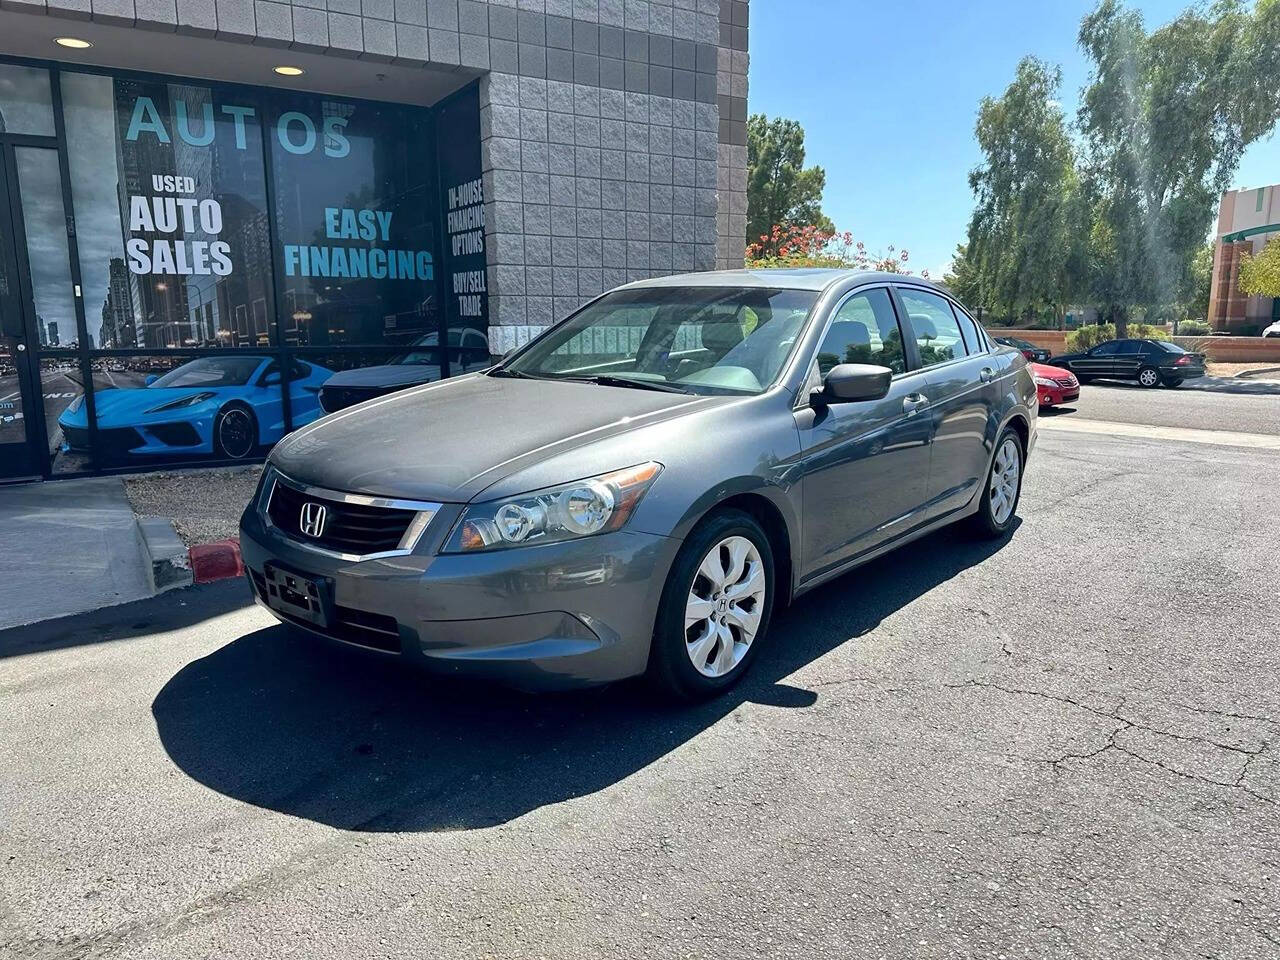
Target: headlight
<point x="580" y="509"/>
<point x="1046" y="382"/>
<point x="181" y="402"/>
<point x="75" y="405"/>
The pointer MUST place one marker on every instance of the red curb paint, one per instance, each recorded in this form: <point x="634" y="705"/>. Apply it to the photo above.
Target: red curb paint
<point x="216" y="561"/>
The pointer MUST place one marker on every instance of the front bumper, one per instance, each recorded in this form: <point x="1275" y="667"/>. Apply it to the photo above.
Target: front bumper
<point x="543" y="617"/>
<point x="1049" y="397"/>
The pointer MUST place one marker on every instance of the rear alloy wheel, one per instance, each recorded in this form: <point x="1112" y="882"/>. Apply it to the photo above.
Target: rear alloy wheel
<point x="999" y="501"/>
<point x="1149" y="377"/>
<point x="715" y="608"/>
<point x="235" y="433"/>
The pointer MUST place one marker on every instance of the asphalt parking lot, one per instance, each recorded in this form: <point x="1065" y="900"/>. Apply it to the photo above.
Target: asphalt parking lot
<point x="1064" y="746"/>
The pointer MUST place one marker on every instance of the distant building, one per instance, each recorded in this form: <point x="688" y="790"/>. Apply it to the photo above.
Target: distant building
<point x="1247" y="219"/>
<point x="117" y="310"/>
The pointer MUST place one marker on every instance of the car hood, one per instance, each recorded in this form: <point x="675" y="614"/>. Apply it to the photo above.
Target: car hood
<point x="386" y="375"/>
<point x="448" y="441"/>
<point x="1048" y="370"/>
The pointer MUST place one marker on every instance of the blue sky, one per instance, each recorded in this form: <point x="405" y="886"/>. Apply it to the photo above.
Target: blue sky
<point x="888" y="95"/>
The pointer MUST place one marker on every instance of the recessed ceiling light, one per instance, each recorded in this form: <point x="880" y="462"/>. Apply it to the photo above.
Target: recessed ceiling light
<point x="75" y="43"/>
<point x="286" y="71"/>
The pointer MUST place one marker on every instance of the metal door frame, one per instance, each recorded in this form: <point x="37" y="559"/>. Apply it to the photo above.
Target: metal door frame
<point x="31" y="400"/>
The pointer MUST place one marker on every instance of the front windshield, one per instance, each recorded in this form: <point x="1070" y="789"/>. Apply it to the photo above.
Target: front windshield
<point x="211" y="372"/>
<point x="721" y="340"/>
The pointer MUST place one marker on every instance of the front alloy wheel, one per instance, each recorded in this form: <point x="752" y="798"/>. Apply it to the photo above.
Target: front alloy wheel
<point x="722" y="614"/>
<point x="715" y="607"/>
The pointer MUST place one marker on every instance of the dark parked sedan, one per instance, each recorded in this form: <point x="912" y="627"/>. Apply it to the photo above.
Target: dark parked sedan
<point x="1029" y="350"/>
<point x="1150" y="362"/>
<point x="468" y="350"/>
<point x="636" y="490"/>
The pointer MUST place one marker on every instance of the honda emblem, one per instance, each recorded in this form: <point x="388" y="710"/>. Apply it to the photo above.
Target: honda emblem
<point x="311" y="522"/>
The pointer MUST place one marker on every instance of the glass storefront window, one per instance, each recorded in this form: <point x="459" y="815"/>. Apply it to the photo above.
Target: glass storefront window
<point x="26" y="100"/>
<point x="215" y="255"/>
<point x="45" y="224"/>
<point x="169" y="409"/>
<point x="62" y="387"/>
<point x="173" y="235"/>
<point x="355" y="216"/>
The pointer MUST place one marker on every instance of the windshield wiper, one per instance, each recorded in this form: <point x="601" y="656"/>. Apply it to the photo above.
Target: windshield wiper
<point x="513" y="374"/>
<point x="608" y="381"/>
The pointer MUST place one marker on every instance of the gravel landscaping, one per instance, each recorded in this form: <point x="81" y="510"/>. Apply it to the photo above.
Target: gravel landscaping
<point x="205" y="505"/>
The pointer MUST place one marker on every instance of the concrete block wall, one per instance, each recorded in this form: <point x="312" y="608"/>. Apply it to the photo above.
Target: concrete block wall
<point x="601" y="127"/>
<point x="613" y="131"/>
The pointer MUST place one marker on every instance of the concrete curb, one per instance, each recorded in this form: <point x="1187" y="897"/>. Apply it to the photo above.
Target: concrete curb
<point x="164" y="555"/>
<point x="1256" y="374"/>
<point x="171" y="564"/>
<point x="219" y="560"/>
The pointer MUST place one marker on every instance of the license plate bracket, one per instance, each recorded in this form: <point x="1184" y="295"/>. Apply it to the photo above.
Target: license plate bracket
<point x="298" y="596"/>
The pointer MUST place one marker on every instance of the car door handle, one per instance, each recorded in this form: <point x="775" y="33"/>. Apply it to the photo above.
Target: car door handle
<point x="913" y="403"/>
<point x="986" y="374"/>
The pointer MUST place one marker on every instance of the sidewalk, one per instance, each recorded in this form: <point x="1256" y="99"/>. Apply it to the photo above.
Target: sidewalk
<point x="67" y="547"/>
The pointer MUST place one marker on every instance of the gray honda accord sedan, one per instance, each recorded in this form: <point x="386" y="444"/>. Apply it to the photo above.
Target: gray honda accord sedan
<point x="639" y="488"/>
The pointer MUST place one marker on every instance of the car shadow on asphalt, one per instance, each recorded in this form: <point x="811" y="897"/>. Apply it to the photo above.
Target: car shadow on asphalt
<point x="354" y="741"/>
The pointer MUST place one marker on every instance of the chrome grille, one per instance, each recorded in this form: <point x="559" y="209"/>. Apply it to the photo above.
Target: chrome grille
<point x="353" y="525"/>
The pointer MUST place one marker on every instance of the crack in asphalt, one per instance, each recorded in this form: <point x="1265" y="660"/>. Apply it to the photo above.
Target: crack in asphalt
<point x="1123" y="723"/>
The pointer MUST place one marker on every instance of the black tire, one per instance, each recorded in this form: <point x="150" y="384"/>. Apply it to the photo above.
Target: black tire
<point x="1172" y="382"/>
<point x="1083" y="380"/>
<point x="1149" y="377"/>
<point x="984" y="523"/>
<point x="235" y="432"/>
<point x="671" y="668"/>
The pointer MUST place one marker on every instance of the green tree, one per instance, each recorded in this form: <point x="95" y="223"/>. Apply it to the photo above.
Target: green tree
<point x="1165" y="117"/>
<point x="1260" y="275"/>
<point x="1027" y="232"/>
<point x="781" y="191"/>
<point x="962" y="279"/>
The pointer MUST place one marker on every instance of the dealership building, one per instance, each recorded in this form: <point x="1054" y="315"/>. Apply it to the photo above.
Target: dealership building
<point x="210" y="207"/>
<point x="1247" y="220"/>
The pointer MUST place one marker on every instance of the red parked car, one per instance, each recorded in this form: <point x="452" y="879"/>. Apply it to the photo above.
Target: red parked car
<point x="1054" y="385"/>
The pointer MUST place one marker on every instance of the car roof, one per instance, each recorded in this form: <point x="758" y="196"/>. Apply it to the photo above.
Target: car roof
<point x="798" y="278"/>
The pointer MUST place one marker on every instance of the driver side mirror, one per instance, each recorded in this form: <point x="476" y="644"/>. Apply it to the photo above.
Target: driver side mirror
<point x="149" y="379"/>
<point x="848" y="382"/>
